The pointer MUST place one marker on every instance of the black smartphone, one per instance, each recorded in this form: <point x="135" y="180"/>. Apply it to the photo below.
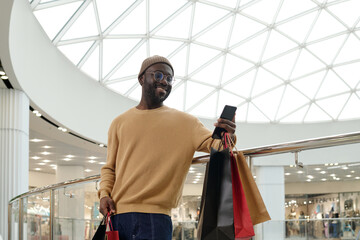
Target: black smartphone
<point x="227" y="113"/>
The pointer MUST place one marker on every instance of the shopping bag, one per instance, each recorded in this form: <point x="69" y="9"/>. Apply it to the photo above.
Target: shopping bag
<point x="102" y="234"/>
<point x="243" y="225"/>
<point x="216" y="220"/>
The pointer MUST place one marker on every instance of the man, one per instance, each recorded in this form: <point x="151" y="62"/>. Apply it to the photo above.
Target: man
<point x="150" y="149"/>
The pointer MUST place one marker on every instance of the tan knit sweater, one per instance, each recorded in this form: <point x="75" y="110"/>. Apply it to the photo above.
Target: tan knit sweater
<point x="149" y="154"/>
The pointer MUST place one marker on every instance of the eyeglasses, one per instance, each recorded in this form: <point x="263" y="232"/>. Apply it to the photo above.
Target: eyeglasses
<point x="159" y="76"/>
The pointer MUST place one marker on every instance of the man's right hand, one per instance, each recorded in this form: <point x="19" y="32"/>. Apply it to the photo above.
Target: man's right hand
<point x="107" y="205"/>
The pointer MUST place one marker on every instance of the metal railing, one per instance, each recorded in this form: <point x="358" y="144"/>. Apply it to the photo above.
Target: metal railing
<point x="53" y="190"/>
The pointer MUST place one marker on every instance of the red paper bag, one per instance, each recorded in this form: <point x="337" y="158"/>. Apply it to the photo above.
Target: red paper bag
<point x="111" y="235"/>
<point x="243" y="225"/>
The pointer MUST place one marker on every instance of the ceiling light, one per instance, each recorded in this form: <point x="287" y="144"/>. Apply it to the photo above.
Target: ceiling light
<point x="331" y="164"/>
<point x="36" y="112"/>
<point x="326" y="164"/>
<point x="254" y="176"/>
<point x="41" y="163"/>
<point x="88" y="170"/>
<point x="338" y="179"/>
<point x="191" y="171"/>
<point x="292" y="166"/>
<point x="287" y="174"/>
<point x="323" y="172"/>
<point x="45" y="153"/>
<point x="2" y="72"/>
<point x="348" y="176"/>
<point x="46" y="160"/>
<point x="194" y="182"/>
<point x="199" y="174"/>
<point x="46" y="147"/>
<point x="62" y="129"/>
<point x="91" y="161"/>
<point x="191" y="168"/>
<point x="345" y="168"/>
<point x="101" y="145"/>
<point x="35" y="157"/>
<point x="37" y="169"/>
<point x="333" y="175"/>
<point x="323" y="179"/>
<point x="353" y="164"/>
<point x="357" y="177"/>
<point x="300" y="172"/>
<point x="67" y="159"/>
<point x="92" y="157"/>
<point x="308" y="180"/>
<point x="336" y="164"/>
<point x="317" y="169"/>
<point x="36" y="140"/>
<point x="309" y="176"/>
<point x="101" y="163"/>
<point x="352" y="171"/>
<point x="4" y="77"/>
<point x="69" y="156"/>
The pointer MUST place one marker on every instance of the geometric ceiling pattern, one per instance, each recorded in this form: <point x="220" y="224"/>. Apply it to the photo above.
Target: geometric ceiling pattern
<point x="278" y="61"/>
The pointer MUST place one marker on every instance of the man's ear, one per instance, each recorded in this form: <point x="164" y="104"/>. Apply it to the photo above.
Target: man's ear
<point x="141" y="79"/>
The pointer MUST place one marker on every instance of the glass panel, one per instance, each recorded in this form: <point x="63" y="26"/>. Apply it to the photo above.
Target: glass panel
<point x="350" y="50"/>
<point x="263" y="10"/>
<point x="332" y="85"/>
<point x="243" y="28"/>
<point x="269" y="102"/>
<point x="200" y="55"/>
<point x="306" y="63"/>
<point x="290" y="8"/>
<point x="206" y="107"/>
<point x="264" y="82"/>
<point x="333" y="105"/>
<point x="195" y="92"/>
<point x="14" y="220"/>
<point x="277" y="44"/>
<point x="291" y="100"/>
<point x="309" y="85"/>
<point x="243" y="85"/>
<point x="37" y="216"/>
<point x="76" y="214"/>
<point x="283" y="66"/>
<point x="351" y="108"/>
<point x="211" y="73"/>
<point x="347" y="11"/>
<point x="315" y="114"/>
<point x="233" y="67"/>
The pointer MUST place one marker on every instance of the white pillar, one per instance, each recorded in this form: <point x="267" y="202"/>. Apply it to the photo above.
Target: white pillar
<point x="14" y="150"/>
<point x="271" y="183"/>
<point x="71" y="202"/>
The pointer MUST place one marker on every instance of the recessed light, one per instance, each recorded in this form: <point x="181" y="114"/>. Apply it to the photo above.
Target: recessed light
<point x="2" y="73"/>
<point x="254" y="176"/>
<point x="345" y="168"/>
<point x="36" y="140"/>
<point x="352" y="171"/>
<point x="88" y="170"/>
<point x="308" y="180"/>
<point x="191" y="171"/>
<point x="194" y="182"/>
<point x="331" y="164"/>
<point x="287" y="174"/>
<point x="336" y="164"/>
<point x="323" y="179"/>
<point x="46" y="160"/>
<point x="199" y="174"/>
<point x="67" y="159"/>
<point x="101" y="163"/>
<point x="37" y="169"/>
<point x="4" y="77"/>
<point x="323" y="172"/>
<point x="317" y="169"/>
<point x="357" y="177"/>
<point x="62" y="129"/>
<point x="92" y="157"/>
<point x="310" y="177"/>
<point x="45" y="153"/>
<point x="101" y="145"/>
<point x="53" y="165"/>
<point x="292" y="166"/>
<point x="91" y="161"/>
<point x="348" y="175"/>
<point x="326" y="164"/>
<point x="69" y="156"/>
<point x="300" y="172"/>
<point x="333" y="175"/>
<point x="35" y="157"/>
<point x="41" y="163"/>
<point x="338" y="179"/>
<point x="46" y="146"/>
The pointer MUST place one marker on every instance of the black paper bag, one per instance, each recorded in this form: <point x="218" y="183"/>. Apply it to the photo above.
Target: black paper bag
<point x="216" y="219"/>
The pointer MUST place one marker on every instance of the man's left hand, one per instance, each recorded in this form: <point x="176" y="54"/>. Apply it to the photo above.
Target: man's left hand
<point x="228" y="125"/>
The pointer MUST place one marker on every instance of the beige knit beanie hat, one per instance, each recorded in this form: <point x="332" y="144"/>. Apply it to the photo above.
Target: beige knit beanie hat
<point x="151" y="61"/>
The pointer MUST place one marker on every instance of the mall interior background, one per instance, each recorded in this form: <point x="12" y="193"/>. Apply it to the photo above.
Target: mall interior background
<point x="48" y="80"/>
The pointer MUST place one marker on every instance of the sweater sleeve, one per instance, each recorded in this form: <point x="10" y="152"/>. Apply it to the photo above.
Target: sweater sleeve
<point x="107" y="174"/>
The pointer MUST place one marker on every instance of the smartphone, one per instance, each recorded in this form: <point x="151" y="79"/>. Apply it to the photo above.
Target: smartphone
<point x="227" y="113"/>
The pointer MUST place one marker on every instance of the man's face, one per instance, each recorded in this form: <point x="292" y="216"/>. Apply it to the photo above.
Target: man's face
<point x="156" y="92"/>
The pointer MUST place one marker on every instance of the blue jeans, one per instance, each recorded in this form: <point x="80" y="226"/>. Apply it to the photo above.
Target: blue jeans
<point x="142" y="226"/>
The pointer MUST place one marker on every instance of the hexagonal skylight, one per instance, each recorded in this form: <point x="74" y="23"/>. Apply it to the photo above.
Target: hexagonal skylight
<point x="281" y="61"/>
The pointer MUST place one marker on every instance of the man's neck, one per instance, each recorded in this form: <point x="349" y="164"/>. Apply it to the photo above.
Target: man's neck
<point x="146" y="106"/>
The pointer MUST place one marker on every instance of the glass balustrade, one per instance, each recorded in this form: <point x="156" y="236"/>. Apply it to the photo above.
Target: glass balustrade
<point x="70" y="211"/>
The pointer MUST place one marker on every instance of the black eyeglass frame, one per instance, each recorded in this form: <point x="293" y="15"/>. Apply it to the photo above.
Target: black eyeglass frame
<point x="171" y="82"/>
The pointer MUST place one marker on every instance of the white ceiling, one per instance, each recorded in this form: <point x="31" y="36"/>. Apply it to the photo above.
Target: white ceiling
<point x="278" y="61"/>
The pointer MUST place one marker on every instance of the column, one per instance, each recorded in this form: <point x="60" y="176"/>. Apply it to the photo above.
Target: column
<point x="270" y="181"/>
<point x="71" y="202"/>
<point x="14" y="150"/>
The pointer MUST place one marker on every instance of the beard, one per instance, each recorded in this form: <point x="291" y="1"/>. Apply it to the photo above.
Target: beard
<point x="155" y="95"/>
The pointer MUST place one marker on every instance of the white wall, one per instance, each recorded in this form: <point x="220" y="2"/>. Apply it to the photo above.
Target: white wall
<point x="37" y="179"/>
<point x="322" y="187"/>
